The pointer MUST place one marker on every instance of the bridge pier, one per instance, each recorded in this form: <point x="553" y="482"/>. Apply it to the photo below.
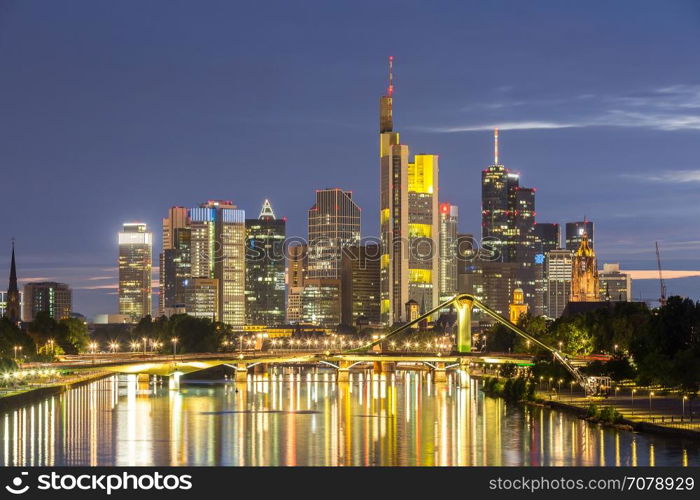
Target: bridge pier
<point x="464" y="324"/>
<point x="241" y="372"/>
<point x="377" y="367"/>
<point x="259" y="369"/>
<point x="439" y="373"/>
<point x="344" y="371"/>
<point x="388" y="366"/>
<point x="463" y="377"/>
<point x="174" y="381"/>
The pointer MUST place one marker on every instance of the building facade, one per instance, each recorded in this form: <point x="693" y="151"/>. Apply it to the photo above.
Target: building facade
<point x="265" y="263"/>
<point x="559" y="271"/>
<point x="360" y="285"/>
<point x="321" y="302"/>
<point x="135" y="260"/>
<point x="615" y="286"/>
<point x="575" y="232"/>
<point x="176" y="246"/>
<point x="585" y="286"/>
<point x="547" y="238"/>
<point x="448" y="252"/>
<point x="54" y="298"/>
<point x="297" y="263"/>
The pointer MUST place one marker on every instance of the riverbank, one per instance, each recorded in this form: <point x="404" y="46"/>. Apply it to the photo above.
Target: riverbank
<point x="31" y="394"/>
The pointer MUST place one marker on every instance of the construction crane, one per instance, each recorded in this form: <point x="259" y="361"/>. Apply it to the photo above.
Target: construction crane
<point x="662" y="285"/>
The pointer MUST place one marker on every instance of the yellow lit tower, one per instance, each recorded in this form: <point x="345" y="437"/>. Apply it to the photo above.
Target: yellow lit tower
<point x="408" y="220"/>
<point x="584" y="273"/>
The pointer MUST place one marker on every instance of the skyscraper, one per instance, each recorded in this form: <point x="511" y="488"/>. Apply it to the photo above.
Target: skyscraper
<point x="135" y="255"/>
<point x="547" y="238"/>
<point x="218" y="252"/>
<point x="360" y="285"/>
<point x="333" y="224"/>
<point x="297" y="258"/>
<point x="176" y="220"/>
<point x="12" y="304"/>
<point x="575" y="231"/>
<point x="558" y="271"/>
<point x="448" y="251"/>
<point x="50" y="297"/>
<point x="265" y="268"/>
<point x="584" y="273"/>
<point x="408" y="220"/>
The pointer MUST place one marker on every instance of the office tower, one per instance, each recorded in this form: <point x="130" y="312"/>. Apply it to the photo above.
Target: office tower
<point x="135" y="254"/>
<point x="547" y="238"/>
<point x="448" y="251"/>
<point x="360" y="285"/>
<point x="176" y="220"/>
<point x="3" y="305"/>
<point x="408" y="220"/>
<point x="321" y="302"/>
<point x="585" y="286"/>
<point x="333" y="224"/>
<point x="518" y="307"/>
<point x="297" y="258"/>
<point x="575" y="231"/>
<point x="218" y="252"/>
<point x="203" y="298"/>
<point x="498" y="281"/>
<point x="507" y="228"/>
<point x="615" y="286"/>
<point x="176" y="272"/>
<point x="53" y="298"/>
<point x="265" y="268"/>
<point x="559" y="271"/>
<point x="12" y="299"/>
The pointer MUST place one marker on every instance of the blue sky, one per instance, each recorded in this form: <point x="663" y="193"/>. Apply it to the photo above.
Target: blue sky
<point x="114" y="111"/>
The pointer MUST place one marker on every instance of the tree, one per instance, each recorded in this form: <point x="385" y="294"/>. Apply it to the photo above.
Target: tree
<point x="72" y="335"/>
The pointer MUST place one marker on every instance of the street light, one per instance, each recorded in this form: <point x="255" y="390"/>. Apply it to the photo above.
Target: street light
<point x="50" y="342"/>
<point x="174" y="341"/>
<point x="683" y="413"/>
<point x="633" y="391"/>
<point x="651" y="394"/>
<point x="113" y="346"/>
<point x="145" y="344"/>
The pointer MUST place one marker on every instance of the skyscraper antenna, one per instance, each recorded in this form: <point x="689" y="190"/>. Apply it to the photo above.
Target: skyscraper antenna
<point x="390" y="89"/>
<point x="495" y="146"/>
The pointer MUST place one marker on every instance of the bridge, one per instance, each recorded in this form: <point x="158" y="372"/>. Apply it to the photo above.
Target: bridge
<point x="461" y="360"/>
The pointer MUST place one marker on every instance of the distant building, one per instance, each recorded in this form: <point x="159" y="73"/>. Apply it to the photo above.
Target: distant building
<point x="53" y="298"/>
<point x="321" y="302"/>
<point x="135" y="256"/>
<point x="111" y="319"/>
<point x="585" y="286"/>
<point x="559" y="268"/>
<point x="203" y="298"/>
<point x="13" y="299"/>
<point x="360" y="285"/>
<point x="297" y="263"/>
<point x="175" y="259"/>
<point x="3" y="304"/>
<point x="547" y="238"/>
<point x="615" y="286"/>
<point x="448" y="252"/>
<point x="575" y="232"/>
<point x="498" y="281"/>
<point x="265" y="262"/>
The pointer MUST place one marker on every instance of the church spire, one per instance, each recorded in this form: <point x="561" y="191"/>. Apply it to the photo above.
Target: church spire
<point x="12" y="309"/>
<point x="13" y="271"/>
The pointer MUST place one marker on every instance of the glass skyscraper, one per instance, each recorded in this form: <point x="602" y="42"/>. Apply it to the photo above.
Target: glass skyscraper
<point x="135" y="255"/>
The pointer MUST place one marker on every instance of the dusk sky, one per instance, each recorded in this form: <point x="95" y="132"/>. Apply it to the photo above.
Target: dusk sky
<point x="114" y="111"/>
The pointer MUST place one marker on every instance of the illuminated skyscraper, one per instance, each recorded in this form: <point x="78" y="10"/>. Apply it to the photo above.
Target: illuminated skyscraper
<point x="218" y="252"/>
<point x="448" y="251"/>
<point x="135" y="256"/>
<point x="333" y="224"/>
<point x="360" y="285"/>
<point x="173" y="250"/>
<point x="56" y="299"/>
<point x="559" y="267"/>
<point x="297" y="258"/>
<point x="547" y="238"/>
<point x="265" y="268"/>
<point x="408" y="220"/>
<point x="575" y="231"/>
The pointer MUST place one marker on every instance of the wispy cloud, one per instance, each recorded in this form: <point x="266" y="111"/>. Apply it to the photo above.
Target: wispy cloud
<point x="526" y="125"/>
<point x="667" y="176"/>
<point x="646" y="274"/>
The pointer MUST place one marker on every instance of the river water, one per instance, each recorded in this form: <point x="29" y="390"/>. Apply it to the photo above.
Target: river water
<point x="293" y="417"/>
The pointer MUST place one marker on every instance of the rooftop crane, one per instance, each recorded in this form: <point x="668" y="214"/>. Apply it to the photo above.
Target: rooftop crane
<point x="662" y="285"/>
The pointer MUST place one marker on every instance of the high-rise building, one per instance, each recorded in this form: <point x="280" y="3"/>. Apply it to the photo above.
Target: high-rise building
<point x="53" y="298"/>
<point x="448" y="251"/>
<point x="615" y="286"/>
<point x="297" y="258"/>
<point x="575" y="232"/>
<point x="547" y="238"/>
<point x="135" y="256"/>
<point x="585" y="286"/>
<point x="265" y="268"/>
<point x="408" y="220"/>
<point x="218" y="252"/>
<point x="321" y="302"/>
<point x="333" y="224"/>
<point x="508" y="228"/>
<point x="13" y="301"/>
<point x="558" y="271"/>
<point x="203" y="298"/>
<point x="497" y="282"/>
<point x="176" y="220"/>
<point x="176" y="272"/>
<point x="360" y="285"/>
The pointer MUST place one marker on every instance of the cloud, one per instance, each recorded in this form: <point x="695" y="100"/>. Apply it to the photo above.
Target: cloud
<point x="668" y="176"/>
<point x="525" y="125"/>
<point x="653" y="274"/>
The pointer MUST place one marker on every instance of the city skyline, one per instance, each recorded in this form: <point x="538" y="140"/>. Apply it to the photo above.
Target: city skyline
<point x="450" y="117"/>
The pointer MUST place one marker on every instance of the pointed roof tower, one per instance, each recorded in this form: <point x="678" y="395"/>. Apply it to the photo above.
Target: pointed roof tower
<point x="13" y="271"/>
<point x="12" y="310"/>
<point x="266" y="212"/>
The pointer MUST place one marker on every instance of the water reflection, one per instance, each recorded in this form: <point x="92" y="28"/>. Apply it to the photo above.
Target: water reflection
<point x="292" y="417"/>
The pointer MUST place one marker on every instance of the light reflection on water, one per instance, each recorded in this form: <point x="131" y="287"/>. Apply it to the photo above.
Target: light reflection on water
<point x="305" y="418"/>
